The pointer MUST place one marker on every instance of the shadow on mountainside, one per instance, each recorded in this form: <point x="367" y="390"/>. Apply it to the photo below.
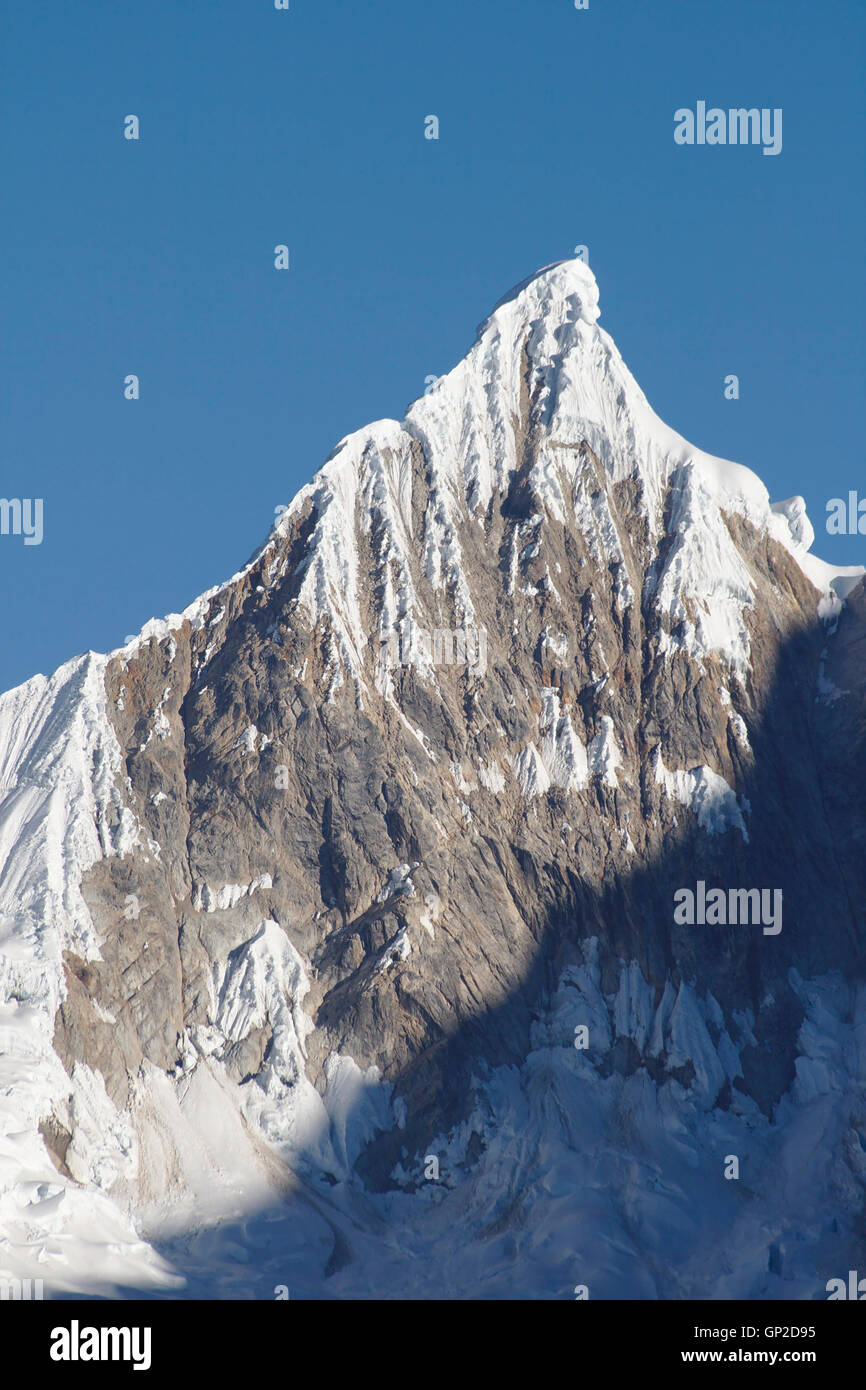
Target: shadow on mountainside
<point x="542" y="1150"/>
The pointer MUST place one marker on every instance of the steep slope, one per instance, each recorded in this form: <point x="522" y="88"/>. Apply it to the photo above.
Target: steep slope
<point x="323" y="876"/>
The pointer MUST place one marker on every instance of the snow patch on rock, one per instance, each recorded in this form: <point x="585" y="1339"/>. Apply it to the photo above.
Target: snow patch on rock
<point x="706" y="794"/>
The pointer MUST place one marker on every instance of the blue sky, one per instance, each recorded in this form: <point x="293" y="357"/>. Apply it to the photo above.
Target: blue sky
<point x="306" y="127"/>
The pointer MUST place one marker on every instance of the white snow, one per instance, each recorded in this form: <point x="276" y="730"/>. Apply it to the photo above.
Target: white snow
<point x="491" y="776"/>
<point x="248" y="741"/>
<point x="562" y="752"/>
<point x="706" y="794"/>
<point x="398" y="949"/>
<point x="563" y="760"/>
<point x="60" y="812"/>
<point x="546" y="327"/>
<point x="531" y="774"/>
<point x="546" y="1124"/>
<point x="603" y="755"/>
<point x="207" y="899"/>
<point x="399" y="881"/>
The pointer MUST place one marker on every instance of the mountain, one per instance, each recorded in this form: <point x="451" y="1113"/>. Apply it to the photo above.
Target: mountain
<point x="344" y="917"/>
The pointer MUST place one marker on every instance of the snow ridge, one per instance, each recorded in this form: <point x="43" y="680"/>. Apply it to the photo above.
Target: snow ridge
<point x="60" y="811"/>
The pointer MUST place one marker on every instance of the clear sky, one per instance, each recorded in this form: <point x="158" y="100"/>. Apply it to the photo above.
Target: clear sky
<point x="306" y="127"/>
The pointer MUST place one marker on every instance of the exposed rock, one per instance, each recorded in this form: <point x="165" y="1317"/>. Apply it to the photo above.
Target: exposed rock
<point x="450" y="845"/>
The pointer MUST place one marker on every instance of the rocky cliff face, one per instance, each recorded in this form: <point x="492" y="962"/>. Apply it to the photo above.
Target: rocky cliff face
<point x="353" y="896"/>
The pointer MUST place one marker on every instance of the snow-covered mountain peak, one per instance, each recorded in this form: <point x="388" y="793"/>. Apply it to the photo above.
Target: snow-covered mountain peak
<point x="542" y="392"/>
<point x="272" y="899"/>
<point x="561" y="290"/>
<point x="542" y="407"/>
